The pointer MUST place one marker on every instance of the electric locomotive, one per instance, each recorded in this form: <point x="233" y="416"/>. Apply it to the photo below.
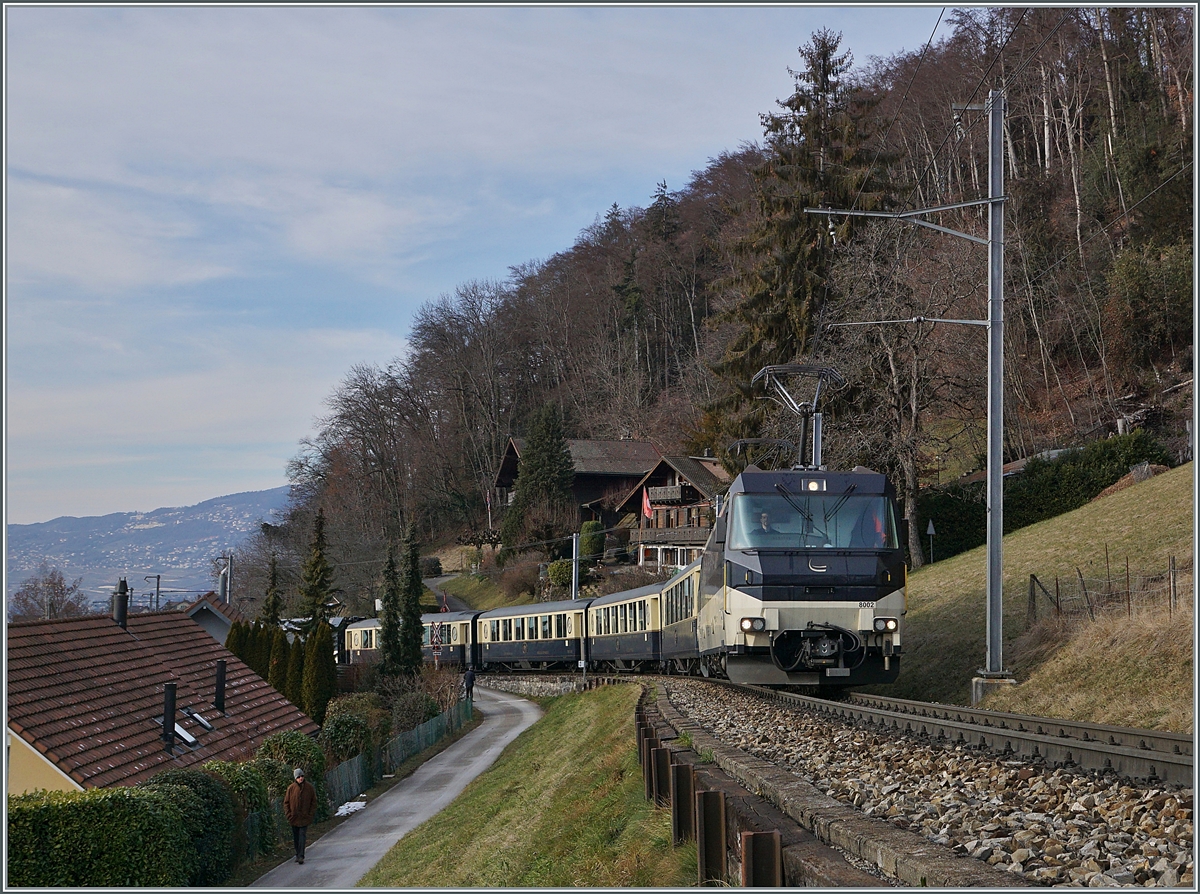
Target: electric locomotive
<point x="803" y="578"/>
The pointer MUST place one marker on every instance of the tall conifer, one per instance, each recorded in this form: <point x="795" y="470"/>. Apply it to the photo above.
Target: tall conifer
<point x="389" y="618"/>
<point x="410" y="605"/>
<point x="316" y="577"/>
<point x="320" y="673"/>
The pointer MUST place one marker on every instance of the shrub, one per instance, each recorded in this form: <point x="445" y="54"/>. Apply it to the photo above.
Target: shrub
<point x="560" y="572"/>
<point x="1044" y="489"/>
<point x="343" y="736"/>
<point x="119" y="837"/>
<point x="217" y="821"/>
<point x="250" y="796"/>
<point x="431" y="566"/>
<point x="276" y="774"/>
<point x="591" y="541"/>
<point x="411" y="709"/>
<point x="517" y="581"/>
<point x="294" y="749"/>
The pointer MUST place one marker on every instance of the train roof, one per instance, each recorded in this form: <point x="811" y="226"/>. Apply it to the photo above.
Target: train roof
<point x="649" y="589"/>
<point x="537" y="608"/>
<point x="866" y="481"/>
<point x="449" y="616"/>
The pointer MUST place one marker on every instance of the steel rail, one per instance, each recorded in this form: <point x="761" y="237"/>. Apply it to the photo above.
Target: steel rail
<point x="1141" y="755"/>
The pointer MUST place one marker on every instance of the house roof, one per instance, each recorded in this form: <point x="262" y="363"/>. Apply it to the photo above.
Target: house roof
<point x="628" y="459"/>
<point x="210" y="602"/>
<point x="703" y="473"/>
<point x="88" y="695"/>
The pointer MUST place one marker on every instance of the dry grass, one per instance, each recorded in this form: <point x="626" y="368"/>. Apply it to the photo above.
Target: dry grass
<point x="1127" y="672"/>
<point x="562" y="807"/>
<point x="945" y="635"/>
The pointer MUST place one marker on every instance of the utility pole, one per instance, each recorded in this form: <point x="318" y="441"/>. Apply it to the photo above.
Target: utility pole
<point x="575" y="565"/>
<point x="157" y="587"/>
<point x="994" y="674"/>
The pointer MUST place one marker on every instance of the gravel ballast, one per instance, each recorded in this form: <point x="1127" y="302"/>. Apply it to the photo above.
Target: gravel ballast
<point x="1050" y="826"/>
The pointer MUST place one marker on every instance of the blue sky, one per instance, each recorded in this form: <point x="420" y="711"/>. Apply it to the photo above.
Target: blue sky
<point x="211" y="213"/>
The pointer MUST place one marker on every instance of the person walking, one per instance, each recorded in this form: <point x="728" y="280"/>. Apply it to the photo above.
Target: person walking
<point x="469" y="681"/>
<point x="299" y="806"/>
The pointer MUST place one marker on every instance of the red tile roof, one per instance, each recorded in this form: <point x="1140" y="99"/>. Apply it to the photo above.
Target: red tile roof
<point x="85" y="693"/>
<point x="209" y="600"/>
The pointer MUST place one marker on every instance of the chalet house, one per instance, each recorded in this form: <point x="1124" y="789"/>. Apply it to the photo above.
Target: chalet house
<point x="604" y="473"/>
<point x="673" y="505"/>
<point x="87" y="699"/>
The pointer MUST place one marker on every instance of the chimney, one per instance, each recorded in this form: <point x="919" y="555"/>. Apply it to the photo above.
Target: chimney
<point x="219" y="696"/>
<point x="168" y="733"/>
<point x="121" y="603"/>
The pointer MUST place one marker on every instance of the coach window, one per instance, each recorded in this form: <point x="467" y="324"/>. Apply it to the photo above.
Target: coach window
<point x="519" y="629"/>
<point x="642" y="615"/>
<point x="560" y="626"/>
<point x="506" y="630"/>
<point x="532" y="627"/>
<point x="546" y="627"/>
<point x="607" y="620"/>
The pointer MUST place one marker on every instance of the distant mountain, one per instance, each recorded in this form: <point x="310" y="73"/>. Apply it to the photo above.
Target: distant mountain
<point x="178" y="543"/>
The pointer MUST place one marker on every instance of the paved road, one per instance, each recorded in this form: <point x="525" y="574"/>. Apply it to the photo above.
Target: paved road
<point x="341" y="857"/>
<point x="453" y="602"/>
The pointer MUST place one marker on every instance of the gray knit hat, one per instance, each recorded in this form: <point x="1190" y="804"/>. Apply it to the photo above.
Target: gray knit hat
<point x="297" y="773"/>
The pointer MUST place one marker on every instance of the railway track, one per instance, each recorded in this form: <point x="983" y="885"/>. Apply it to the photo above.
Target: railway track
<point x="1132" y="753"/>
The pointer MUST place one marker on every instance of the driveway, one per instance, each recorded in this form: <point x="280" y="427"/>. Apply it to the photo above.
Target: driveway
<point x="343" y="856"/>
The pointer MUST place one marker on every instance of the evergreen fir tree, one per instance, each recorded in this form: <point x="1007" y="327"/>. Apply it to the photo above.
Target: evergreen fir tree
<point x="295" y="673"/>
<point x="389" y="617"/>
<point x="320" y="673"/>
<point x="250" y="648"/>
<point x="272" y="601"/>
<point x="543" y="506"/>
<point x="280" y="653"/>
<point x="817" y="159"/>
<point x="410" y="605"/>
<point x="316" y="576"/>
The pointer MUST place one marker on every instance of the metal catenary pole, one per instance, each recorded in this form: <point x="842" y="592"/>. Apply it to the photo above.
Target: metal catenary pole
<point x="995" y="108"/>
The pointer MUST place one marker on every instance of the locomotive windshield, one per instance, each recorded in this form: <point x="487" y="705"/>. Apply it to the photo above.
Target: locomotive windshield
<point x="802" y="521"/>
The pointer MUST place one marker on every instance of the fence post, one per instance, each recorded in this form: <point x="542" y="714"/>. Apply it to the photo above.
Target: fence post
<point x="762" y="859"/>
<point x="1086" y="598"/>
<point x="1057" y="600"/>
<point x="710" y="837"/>
<point x="1128" y="592"/>
<point x="660" y="776"/>
<point x="1171" y="596"/>
<point x="683" y="803"/>
<point x="1031" y="611"/>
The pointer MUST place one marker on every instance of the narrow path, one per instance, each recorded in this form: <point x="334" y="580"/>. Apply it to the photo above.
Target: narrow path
<point x="343" y="856"/>
<point x="452" y="602"/>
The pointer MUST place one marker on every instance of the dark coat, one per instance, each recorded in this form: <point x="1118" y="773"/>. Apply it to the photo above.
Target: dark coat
<point x="469" y="677"/>
<point x="300" y="803"/>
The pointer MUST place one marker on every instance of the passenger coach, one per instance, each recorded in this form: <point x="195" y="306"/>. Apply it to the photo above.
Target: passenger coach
<point x="453" y="633"/>
<point x="539" y="636"/>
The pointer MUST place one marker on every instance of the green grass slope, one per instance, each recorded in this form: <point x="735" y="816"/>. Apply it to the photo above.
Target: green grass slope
<point x="564" y="806"/>
<point x="945" y="634"/>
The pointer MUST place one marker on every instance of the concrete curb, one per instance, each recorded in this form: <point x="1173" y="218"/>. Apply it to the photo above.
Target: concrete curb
<point x="900" y="854"/>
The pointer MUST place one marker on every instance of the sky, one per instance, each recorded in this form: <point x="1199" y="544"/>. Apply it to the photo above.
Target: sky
<point x="212" y="213"/>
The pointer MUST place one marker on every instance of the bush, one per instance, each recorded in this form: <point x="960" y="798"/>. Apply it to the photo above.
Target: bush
<point x="217" y="821"/>
<point x="276" y="774"/>
<point x="518" y="581"/>
<point x="431" y="566"/>
<point x="294" y="749"/>
<point x="119" y="837"/>
<point x="591" y="541"/>
<point x="344" y="736"/>
<point x="1045" y="489"/>
<point x="250" y="796"/>
<point x="411" y="709"/>
<point x="560" y="572"/>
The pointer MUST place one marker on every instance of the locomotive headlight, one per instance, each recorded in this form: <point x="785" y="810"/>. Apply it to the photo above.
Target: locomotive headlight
<point x="886" y="624"/>
<point x="754" y="625"/>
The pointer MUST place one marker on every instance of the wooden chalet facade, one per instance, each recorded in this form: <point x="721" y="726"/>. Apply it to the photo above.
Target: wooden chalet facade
<point x="674" y="504"/>
<point x="604" y="473"/>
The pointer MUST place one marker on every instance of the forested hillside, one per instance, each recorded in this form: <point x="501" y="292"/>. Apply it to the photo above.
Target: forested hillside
<point x="651" y="325"/>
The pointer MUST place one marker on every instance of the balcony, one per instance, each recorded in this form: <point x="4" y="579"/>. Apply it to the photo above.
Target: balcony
<point x="678" y="493"/>
<point x="672" y="536"/>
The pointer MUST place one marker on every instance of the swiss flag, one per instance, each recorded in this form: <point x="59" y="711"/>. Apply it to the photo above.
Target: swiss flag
<point x="646" y="503"/>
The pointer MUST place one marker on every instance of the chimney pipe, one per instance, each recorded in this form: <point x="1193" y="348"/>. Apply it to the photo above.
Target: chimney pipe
<point x="121" y="603"/>
<point x="168" y="733"/>
<point x="219" y="697"/>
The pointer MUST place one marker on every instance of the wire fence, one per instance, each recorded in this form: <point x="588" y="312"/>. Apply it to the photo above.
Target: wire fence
<point x="1120" y="591"/>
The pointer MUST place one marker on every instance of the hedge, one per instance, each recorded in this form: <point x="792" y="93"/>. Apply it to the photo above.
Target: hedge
<point x="250" y="793"/>
<point x="297" y="750"/>
<point x="217" y="820"/>
<point x="119" y="837"/>
<point x="1045" y="489"/>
